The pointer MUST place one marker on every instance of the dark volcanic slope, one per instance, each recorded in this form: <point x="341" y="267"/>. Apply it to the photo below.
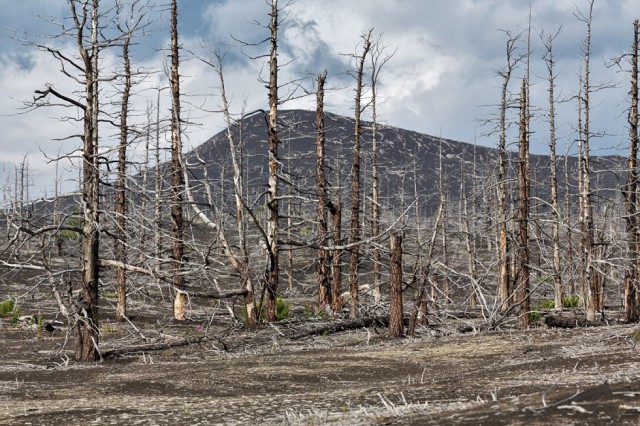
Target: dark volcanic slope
<point x="404" y="156"/>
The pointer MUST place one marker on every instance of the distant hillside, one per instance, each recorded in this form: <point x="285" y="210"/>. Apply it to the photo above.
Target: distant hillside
<point x="404" y="157"/>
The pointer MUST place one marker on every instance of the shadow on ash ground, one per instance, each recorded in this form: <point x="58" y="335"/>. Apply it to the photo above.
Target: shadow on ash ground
<point x="541" y="376"/>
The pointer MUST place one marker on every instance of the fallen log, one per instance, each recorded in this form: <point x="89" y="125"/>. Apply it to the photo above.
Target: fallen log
<point x="241" y="292"/>
<point x="336" y="327"/>
<point x="160" y="346"/>
<point x="559" y="321"/>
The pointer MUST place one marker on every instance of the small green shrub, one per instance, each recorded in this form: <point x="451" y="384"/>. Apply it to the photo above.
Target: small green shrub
<point x="39" y="324"/>
<point x="282" y="309"/>
<point x="6" y="307"/>
<point x="15" y="315"/>
<point x="67" y="235"/>
<point x="535" y="315"/>
<point x="547" y="304"/>
<point x="76" y="221"/>
<point x="571" y="301"/>
<point x="311" y="310"/>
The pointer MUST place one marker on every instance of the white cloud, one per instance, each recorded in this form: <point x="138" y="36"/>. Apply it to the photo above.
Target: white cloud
<point x="441" y="76"/>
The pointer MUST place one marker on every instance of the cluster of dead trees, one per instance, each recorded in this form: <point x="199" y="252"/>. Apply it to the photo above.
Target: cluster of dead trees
<point x="488" y="247"/>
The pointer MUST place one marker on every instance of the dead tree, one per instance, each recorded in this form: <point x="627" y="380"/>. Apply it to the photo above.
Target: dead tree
<point x="504" y="287"/>
<point x="523" y="257"/>
<point x="120" y="249"/>
<point x="632" y="276"/>
<point x="322" y="260"/>
<point x="86" y="328"/>
<point x="158" y="181"/>
<point x="242" y="260"/>
<point x="396" y="326"/>
<point x="177" y="175"/>
<point x="567" y="221"/>
<point x="469" y="239"/>
<point x="239" y="256"/>
<point x="336" y="257"/>
<point x="445" y="221"/>
<point x="378" y="60"/>
<point x="590" y="281"/>
<point x="547" y="40"/>
<point x="88" y="31"/>
<point x="422" y="273"/>
<point x="273" y="211"/>
<point x="354" y="260"/>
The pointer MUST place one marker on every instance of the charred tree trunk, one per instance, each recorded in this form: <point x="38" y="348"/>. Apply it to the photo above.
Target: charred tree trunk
<point x="590" y="283"/>
<point x="336" y="258"/>
<point x="273" y="211"/>
<point x="375" y="195"/>
<point x="177" y="175"/>
<point x="86" y="328"/>
<point x="523" y="267"/>
<point x="553" y="173"/>
<point x="445" y="223"/>
<point x="469" y="246"/>
<point x="121" y="196"/>
<point x="631" y="192"/>
<point x="504" y="282"/>
<point x="322" y="260"/>
<point x="396" y="326"/>
<point x="377" y="62"/>
<point x="354" y="260"/>
<point x="567" y="223"/>
<point x="157" y="193"/>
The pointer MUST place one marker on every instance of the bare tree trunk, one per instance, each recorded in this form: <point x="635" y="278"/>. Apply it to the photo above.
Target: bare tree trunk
<point x="322" y="261"/>
<point x="470" y="247"/>
<point x="157" y="193"/>
<point x="419" y="310"/>
<point x="354" y="260"/>
<point x="591" y="282"/>
<point x="631" y="191"/>
<point x="375" y="195"/>
<point x="547" y="40"/>
<point x="240" y="262"/>
<point x="445" y="219"/>
<point x="143" y="234"/>
<point x="504" y="287"/>
<point x="336" y="258"/>
<point x="57" y="214"/>
<point x="567" y="223"/>
<point x="86" y="329"/>
<point x="377" y="62"/>
<point x="289" y="224"/>
<point x="580" y="219"/>
<point x="396" y="326"/>
<point x="523" y="267"/>
<point x="85" y="17"/>
<point x="272" y="271"/>
<point x="471" y="229"/>
<point x="446" y="296"/>
<point x="121" y="196"/>
<point x="177" y="175"/>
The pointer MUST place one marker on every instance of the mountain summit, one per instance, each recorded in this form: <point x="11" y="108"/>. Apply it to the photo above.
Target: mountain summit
<point x="410" y="163"/>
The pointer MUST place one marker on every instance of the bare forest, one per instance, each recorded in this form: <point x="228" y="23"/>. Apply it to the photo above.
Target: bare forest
<point x="306" y="267"/>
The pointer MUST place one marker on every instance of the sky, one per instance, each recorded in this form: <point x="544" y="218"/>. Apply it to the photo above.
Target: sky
<point x="441" y="79"/>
